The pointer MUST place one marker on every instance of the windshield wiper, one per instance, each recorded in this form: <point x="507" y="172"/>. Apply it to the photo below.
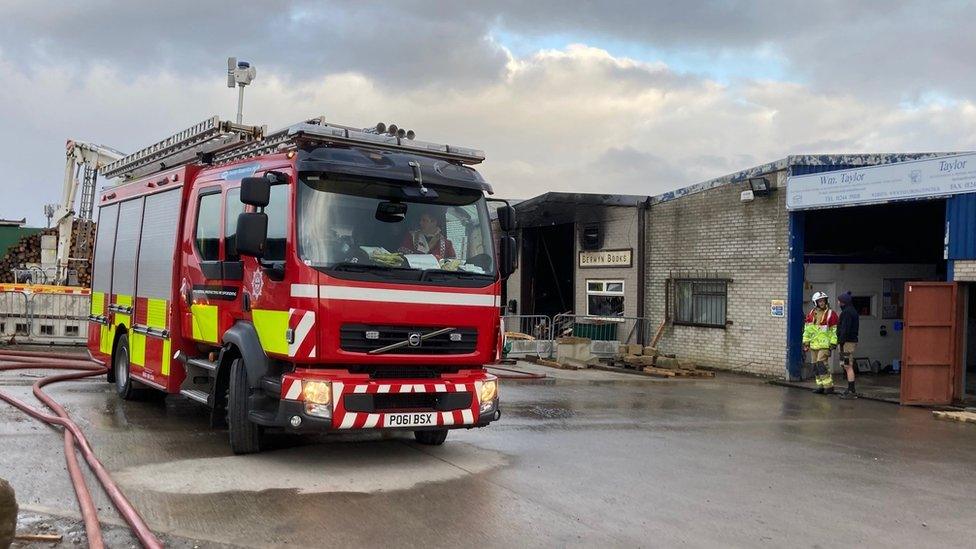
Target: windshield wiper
<point x="458" y="274"/>
<point x="366" y="267"/>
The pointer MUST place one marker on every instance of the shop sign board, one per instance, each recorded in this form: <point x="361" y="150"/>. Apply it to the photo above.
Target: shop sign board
<point x="907" y="180"/>
<point x="607" y="258"/>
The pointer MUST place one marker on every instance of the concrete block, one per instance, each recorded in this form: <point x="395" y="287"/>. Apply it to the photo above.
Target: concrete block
<point x="573" y="350"/>
<point x="634" y="349"/>
<point x="667" y="363"/>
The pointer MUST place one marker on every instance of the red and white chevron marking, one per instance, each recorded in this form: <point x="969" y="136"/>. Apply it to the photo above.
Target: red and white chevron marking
<point x="291" y="389"/>
<point x="302" y="323"/>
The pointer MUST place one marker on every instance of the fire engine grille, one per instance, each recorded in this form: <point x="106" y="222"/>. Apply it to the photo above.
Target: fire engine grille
<point x="362" y="338"/>
<point x="385" y="402"/>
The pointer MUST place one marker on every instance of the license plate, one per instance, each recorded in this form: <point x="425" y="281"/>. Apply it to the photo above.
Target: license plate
<point x="409" y="420"/>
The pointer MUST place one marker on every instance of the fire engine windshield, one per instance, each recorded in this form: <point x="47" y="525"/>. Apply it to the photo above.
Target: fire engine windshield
<point x="393" y="230"/>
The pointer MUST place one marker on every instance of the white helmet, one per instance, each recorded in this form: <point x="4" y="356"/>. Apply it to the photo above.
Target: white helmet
<point x="817" y="296"/>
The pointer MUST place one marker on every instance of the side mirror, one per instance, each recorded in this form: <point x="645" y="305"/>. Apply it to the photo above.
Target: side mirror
<point x="252" y="233"/>
<point x="507" y="250"/>
<point x="256" y="191"/>
<point x="391" y="212"/>
<point x="506" y="218"/>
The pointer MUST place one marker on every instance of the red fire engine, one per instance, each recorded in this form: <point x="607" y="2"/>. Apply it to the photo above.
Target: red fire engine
<point x="317" y="278"/>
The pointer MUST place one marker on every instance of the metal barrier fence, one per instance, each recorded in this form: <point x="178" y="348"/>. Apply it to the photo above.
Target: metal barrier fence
<point x="606" y="334"/>
<point x="49" y="318"/>
<point x="59" y="318"/>
<point x="14" y="315"/>
<point x="536" y="335"/>
<point x="536" y="327"/>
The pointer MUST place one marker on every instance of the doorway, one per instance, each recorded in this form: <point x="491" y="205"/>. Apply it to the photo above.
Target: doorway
<point x="969" y="345"/>
<point x="872" y="252"/>
<point x="547" y="269"/>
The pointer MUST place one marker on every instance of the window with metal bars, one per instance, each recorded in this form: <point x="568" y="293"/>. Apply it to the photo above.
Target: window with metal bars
<point x="700" y="302"/>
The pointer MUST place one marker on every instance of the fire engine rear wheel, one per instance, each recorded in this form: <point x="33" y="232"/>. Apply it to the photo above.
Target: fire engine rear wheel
<point x="432" y="438"/>
<point x="245" y="436"/>
<point x="120" y="367"/>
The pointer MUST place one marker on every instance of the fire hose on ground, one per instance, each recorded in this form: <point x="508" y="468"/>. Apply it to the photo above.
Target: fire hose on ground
<point x="74" y="439"/>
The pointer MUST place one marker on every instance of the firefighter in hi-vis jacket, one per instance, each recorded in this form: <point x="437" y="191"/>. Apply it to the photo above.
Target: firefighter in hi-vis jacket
<point x="820" y="337"/>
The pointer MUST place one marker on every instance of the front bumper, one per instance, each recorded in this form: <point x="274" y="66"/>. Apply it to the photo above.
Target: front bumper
<point x="360" y="403"/>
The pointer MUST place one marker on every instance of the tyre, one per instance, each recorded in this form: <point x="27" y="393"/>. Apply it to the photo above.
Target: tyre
<point x="431" y="438"/>
<point x="245" y="437"/>
<point x="120" y="369"/>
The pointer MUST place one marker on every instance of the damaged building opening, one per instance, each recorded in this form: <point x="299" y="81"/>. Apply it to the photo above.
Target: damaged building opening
<point x="872" y="252"/>
<point x="547" y="259"/>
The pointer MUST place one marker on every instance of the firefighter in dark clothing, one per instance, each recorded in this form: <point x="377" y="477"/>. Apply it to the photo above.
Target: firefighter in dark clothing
<point x="847" y="329"/>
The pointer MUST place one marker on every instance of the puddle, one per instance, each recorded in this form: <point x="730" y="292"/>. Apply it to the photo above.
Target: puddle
<point x="367" y="467"/>
<point x="548" y="413"/>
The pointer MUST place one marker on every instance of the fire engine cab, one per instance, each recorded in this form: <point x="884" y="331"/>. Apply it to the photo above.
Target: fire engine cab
<point x="317" y="278"/>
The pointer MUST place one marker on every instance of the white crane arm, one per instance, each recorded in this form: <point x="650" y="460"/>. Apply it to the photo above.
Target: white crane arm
<point x="78" y="156"/>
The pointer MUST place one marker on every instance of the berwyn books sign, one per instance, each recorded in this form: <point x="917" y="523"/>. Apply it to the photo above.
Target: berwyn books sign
<point x="606" y="258"/>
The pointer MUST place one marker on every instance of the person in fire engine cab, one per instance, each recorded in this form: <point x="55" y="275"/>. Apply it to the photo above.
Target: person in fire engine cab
<point x="428" y="239"/>
<point x="820" y="338"/>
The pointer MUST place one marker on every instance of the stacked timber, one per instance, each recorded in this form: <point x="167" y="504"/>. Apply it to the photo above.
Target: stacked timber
<point x="27" y="251"/>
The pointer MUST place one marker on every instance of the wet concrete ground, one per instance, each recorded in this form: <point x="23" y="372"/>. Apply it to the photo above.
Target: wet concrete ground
<point x="594" y="460"/>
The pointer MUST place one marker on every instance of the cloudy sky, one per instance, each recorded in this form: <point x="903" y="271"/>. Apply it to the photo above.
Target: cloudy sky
<point x="633" y="97"/>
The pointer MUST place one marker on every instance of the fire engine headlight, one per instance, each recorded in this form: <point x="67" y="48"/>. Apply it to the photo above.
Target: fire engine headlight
<point x="318" y="410"/>
<point x="317" y="392"/>
<point x="318" y="398"/>
<point x="489" y="391"/>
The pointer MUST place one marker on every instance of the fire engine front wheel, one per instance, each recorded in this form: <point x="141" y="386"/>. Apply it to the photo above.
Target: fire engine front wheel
<point x="431" y="438"/>
<point x="245" y="436"/>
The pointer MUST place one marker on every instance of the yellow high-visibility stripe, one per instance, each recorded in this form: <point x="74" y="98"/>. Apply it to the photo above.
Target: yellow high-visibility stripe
<point x="204" y="320"/>
<point x="156" y="313"/>
<point x="164" y="369"/>
<point x="138" y="343"/>
<point x="106" y="336"/>
<point x="98" y="303"/>
<point x="271" y="327"/>
<point x="124" y="301"/>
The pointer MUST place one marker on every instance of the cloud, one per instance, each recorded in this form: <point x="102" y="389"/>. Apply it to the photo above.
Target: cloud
<point x="571" y="118"/>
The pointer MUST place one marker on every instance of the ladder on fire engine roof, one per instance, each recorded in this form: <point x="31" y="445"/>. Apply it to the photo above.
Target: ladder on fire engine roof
<point x="206" y="138"/>
<point x="214" y="142"/>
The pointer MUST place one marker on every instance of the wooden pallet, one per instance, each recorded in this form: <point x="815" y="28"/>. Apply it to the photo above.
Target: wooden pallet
<point x="552" y="363"/>
<point x="964" y="417"/>
<point x="678" y="372"/>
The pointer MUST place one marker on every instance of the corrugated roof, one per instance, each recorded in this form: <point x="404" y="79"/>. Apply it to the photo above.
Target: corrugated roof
<point x="840" y="161"/>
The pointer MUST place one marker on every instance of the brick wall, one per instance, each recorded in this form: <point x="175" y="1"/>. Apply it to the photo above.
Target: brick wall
<point x="748" y="242"/>
<point x="619" y="226"/>
<point x="964" y="271"/>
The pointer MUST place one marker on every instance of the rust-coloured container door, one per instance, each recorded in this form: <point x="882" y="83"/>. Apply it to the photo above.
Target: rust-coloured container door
<point x="930" y="343"/>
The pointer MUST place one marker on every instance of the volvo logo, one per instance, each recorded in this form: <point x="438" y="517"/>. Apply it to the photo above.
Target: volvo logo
<point x="414" y="339"/>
